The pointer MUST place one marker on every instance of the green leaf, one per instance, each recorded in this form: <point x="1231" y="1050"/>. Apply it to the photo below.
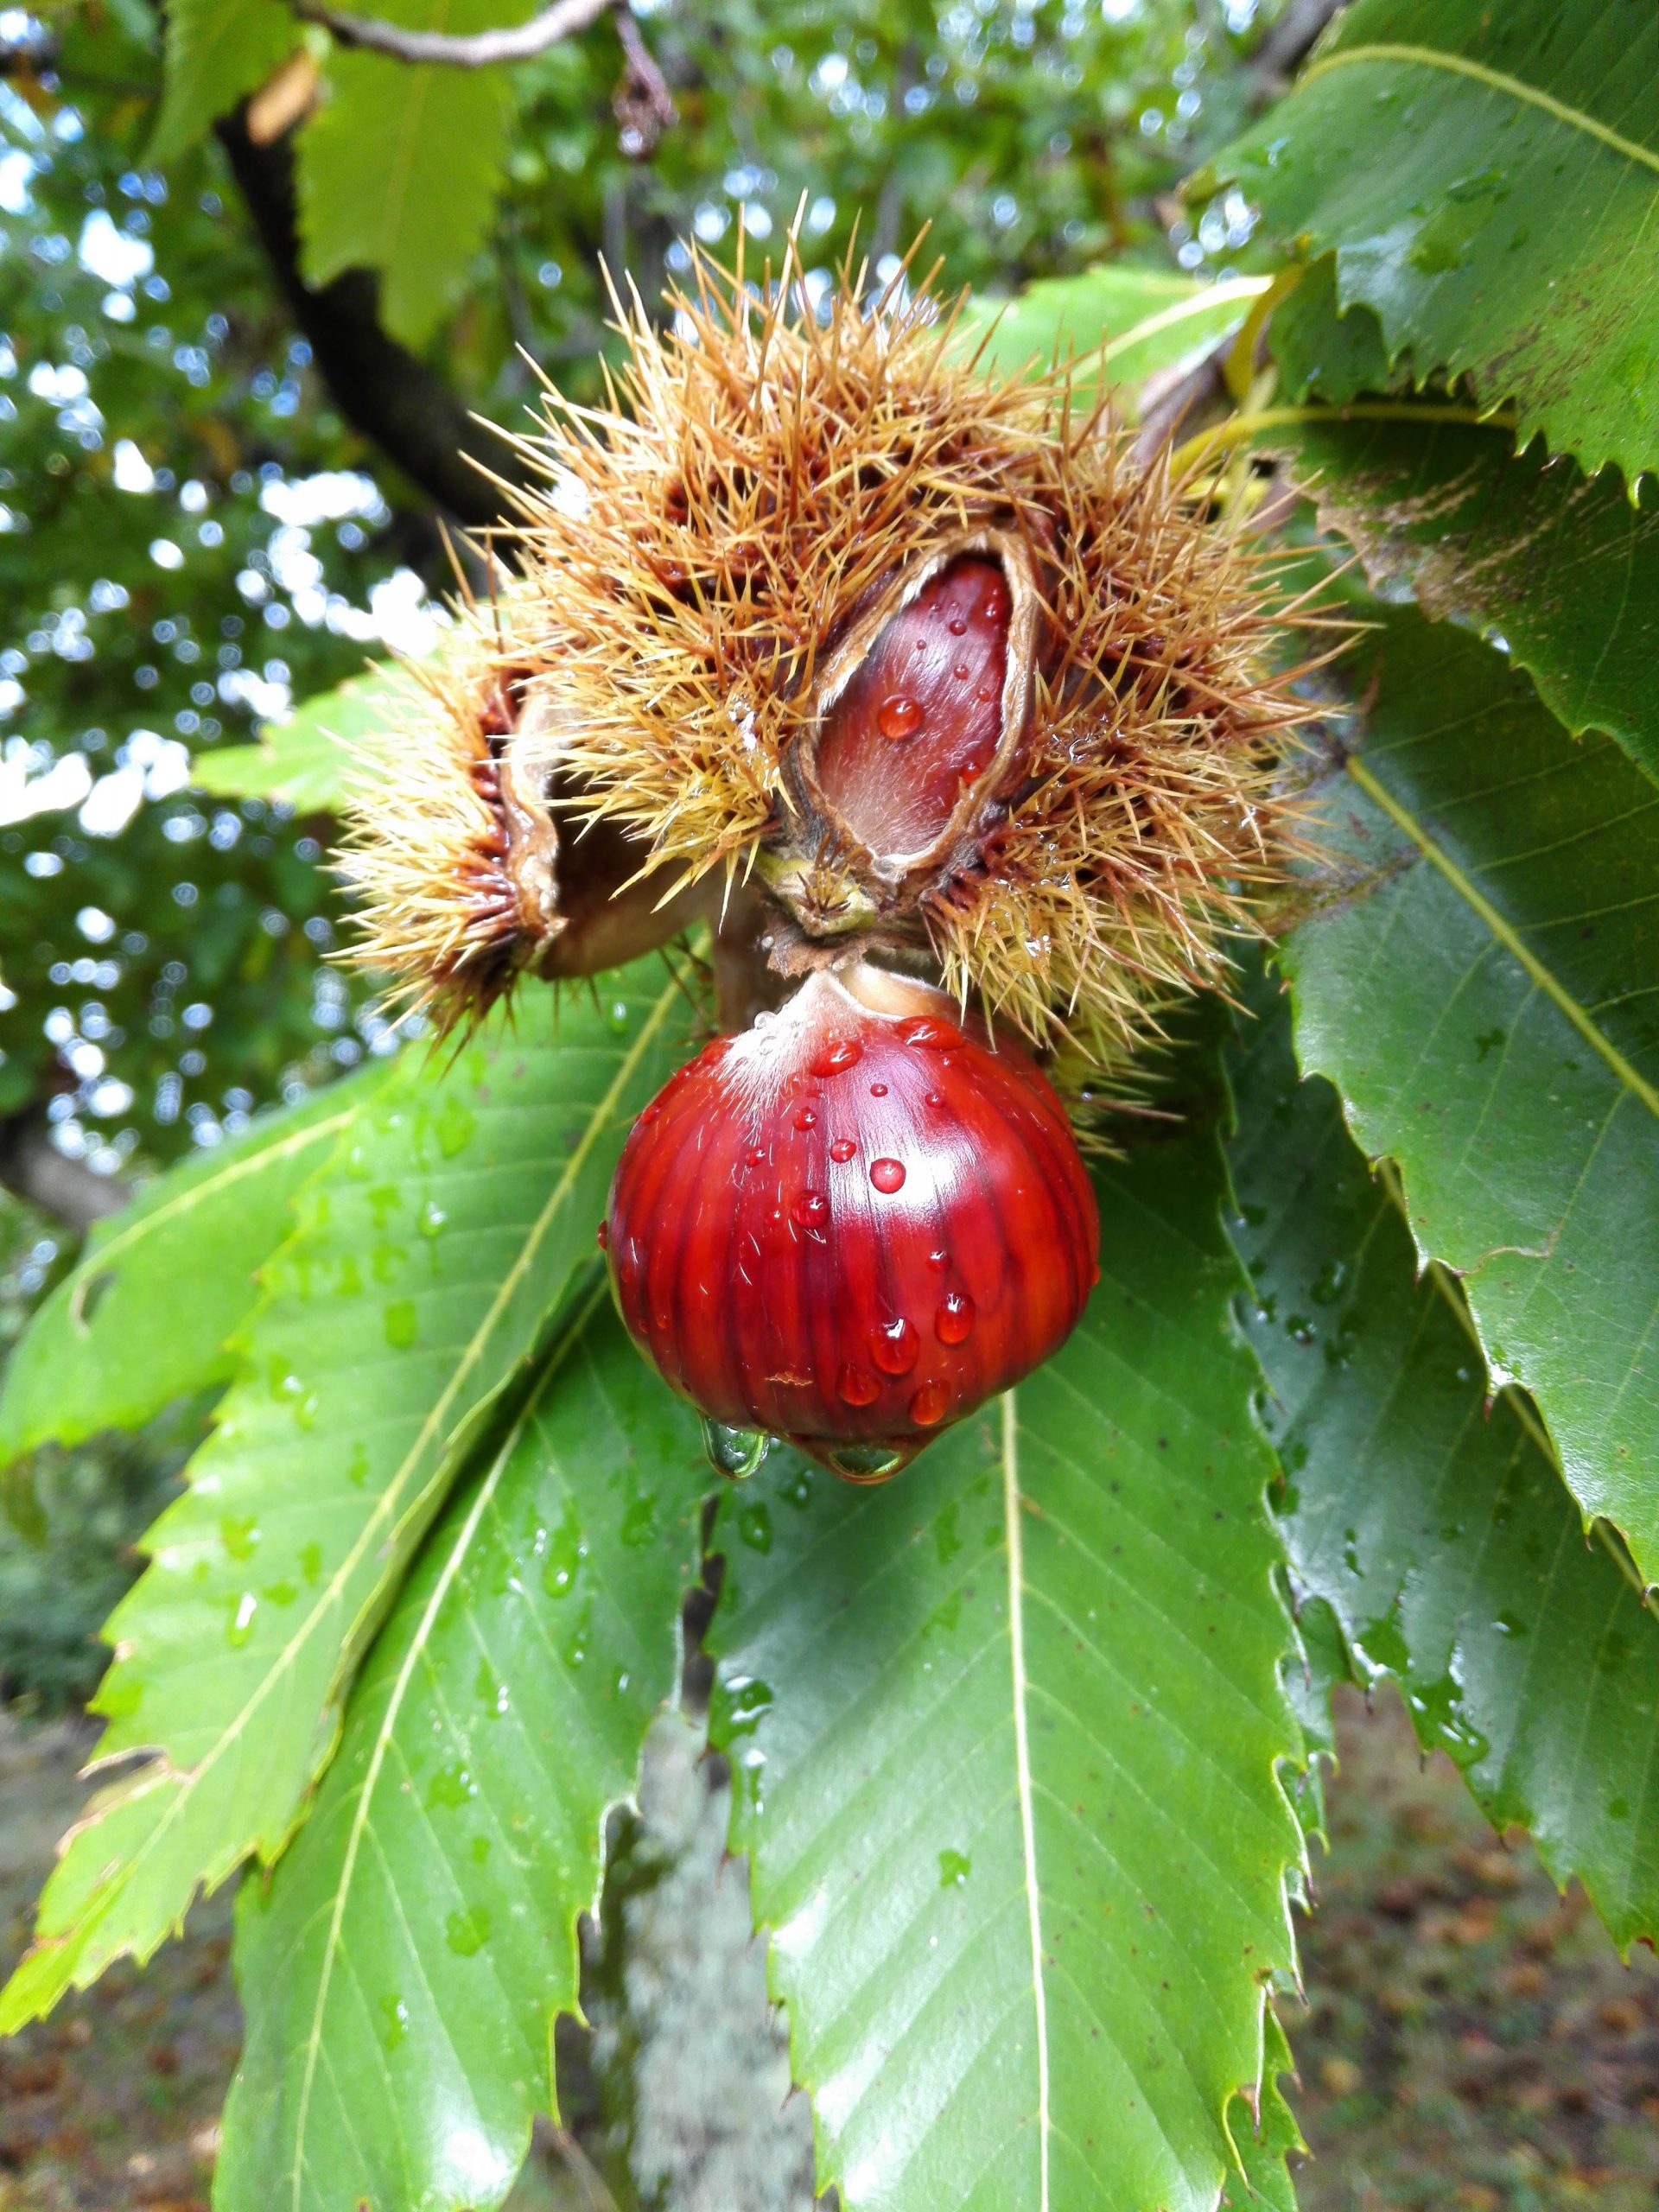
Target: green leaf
<point x="304" y="761"/>
<point x="1488" y="178"/>
<point x="425" y="1265"/>
<point x="1005" y="1738"/>
<point x="217" y="51"/>
<point x="401" y="1970"/>
<point x="1318" y="349"/>
<point x="399" y="168"/>
<point x="1565" y="569"/>
<point x="1483" y="1001"/>
<point x="1441" y="1535"/>
<point x="1120" y="323"/>
<point x="147" y="1311"/>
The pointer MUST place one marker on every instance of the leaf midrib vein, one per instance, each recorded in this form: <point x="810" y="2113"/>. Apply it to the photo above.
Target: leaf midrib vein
<point x="384" y="1736"/>
<point x="1013" y="1545"/>
<point x="1506" y="935"/>
<point x="1238" y="290"/>
<point x="212" y="1186"/>
<point x="190" y="1778"/>
<point x="1495" y="81"/>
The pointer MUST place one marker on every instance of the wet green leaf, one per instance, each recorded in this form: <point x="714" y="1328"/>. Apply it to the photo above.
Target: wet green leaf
<point x="401" y="1970"/>
<point x="1439" y="1533"/>
<point x="1488" y="178"/>
<point x="148" y="1311"/>
<point x="1118" y="323"/>
<point x="426" y="1261"/>
<point x="1007" y="1736"/>
<point x="1482" y="995"/>
<point x="1563" y="566"/>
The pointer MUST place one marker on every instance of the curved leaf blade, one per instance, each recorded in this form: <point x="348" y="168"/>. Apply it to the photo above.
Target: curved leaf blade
<point x="425" y="1265"/>
<point x="1117" y="324"/>
<point x="1006" y="1736"/>
<point x="147" y="1311"/>
<point x="1466" y="163"/>
<point x="1483" y="1004"/>
<point x="1318" y="350"/>
<point x="1566" y="567"/>
<point x="1438" y="1533"/>
<point x="402" y="1969"/>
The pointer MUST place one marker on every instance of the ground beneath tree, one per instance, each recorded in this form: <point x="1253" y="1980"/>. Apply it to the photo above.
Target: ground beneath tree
<point x="1475" y="2043"/>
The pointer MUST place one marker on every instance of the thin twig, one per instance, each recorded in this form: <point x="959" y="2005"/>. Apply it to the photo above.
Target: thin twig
<point x="479" y="50"/>
<point x="1287" y="46"/>
<point x="642" y="103"/>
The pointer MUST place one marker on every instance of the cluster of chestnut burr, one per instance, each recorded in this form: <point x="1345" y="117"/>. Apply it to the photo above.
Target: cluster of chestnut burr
<point x="954" y="719"/>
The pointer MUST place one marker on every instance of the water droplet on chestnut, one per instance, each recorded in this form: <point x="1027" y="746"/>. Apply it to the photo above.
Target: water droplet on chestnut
<point x="929" y="1405"/>
<point x="899" y="716"/>
<point x="856" y="1384"/>
<point x="841" y="1053"/>
<point x="893" y="1346"/>
<point x="930" y="1035"/>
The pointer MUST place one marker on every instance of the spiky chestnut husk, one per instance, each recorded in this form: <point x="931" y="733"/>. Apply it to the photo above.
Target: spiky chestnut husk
<point x="467" y="879"/>
<point x="853" y="1223"/>
<point x="731" y="557"/>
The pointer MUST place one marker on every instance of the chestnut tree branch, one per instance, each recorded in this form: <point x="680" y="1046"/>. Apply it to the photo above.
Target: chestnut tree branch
<point x="385" y="390"/>
<point x="1287" y="46"/>
<point x="480" y="50"/>
<point x="643" y="103"/>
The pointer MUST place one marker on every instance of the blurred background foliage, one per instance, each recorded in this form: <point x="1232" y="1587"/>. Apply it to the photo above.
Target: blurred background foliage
<point x="241" y="335"/>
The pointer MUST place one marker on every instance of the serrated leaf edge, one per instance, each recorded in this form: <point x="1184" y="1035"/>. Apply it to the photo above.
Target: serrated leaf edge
<point x="96" y="1260"/>
<point x="487" y="1487"/>
<point x="159" y="1769"/>
<point x="1014" y="1545"/>
<point x="99" y="1256"/>
<point x="1513" y="944"/>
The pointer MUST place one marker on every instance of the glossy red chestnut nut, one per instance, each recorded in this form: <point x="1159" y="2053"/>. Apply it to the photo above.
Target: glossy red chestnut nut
<point x="852" y="1224"/>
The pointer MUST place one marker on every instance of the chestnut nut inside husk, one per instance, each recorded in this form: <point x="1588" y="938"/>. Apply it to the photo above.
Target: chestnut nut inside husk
<point x="886" y="668"/>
